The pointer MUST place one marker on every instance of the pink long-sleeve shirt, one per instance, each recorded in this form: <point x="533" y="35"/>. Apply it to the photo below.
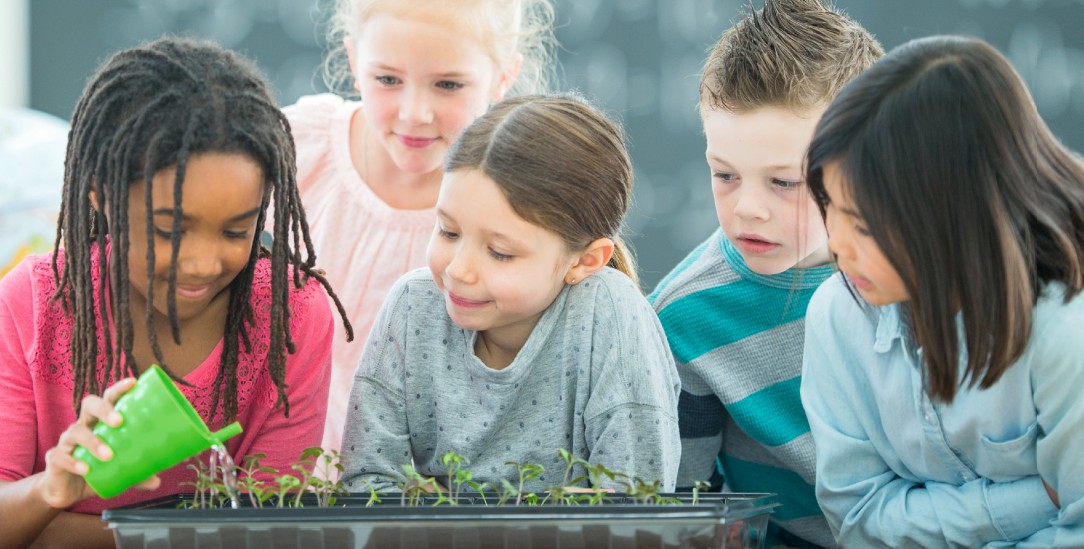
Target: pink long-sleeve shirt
<point x="364" y="244"/>
<point x="36" y="379"/>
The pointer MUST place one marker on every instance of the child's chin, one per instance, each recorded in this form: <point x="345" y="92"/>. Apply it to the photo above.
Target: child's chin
<point x="467" y="323"/>
<point x="763" y="267"/>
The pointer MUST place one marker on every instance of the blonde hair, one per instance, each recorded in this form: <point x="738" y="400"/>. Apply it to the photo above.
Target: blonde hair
<point x="505" y="27"/>
<point x="796" y="54"/>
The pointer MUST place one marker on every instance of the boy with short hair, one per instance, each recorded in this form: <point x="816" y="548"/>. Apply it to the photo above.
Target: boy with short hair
<point x="734" y="309"/>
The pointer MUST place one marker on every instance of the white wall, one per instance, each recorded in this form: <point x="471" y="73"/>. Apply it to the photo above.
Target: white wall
<point x="14" y="53"/>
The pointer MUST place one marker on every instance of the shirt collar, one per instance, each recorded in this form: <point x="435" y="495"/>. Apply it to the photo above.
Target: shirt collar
<point x="890" y="326"/>
<point x="894" y="322"/>
<point x="798" y="279"/>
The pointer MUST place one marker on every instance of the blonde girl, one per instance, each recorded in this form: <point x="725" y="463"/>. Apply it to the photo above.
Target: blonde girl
<point x="369" y="170"/>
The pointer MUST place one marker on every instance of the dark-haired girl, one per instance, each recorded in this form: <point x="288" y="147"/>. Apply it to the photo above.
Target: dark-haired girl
<point x="175" y="152"/>
<point x="943" y="368"/>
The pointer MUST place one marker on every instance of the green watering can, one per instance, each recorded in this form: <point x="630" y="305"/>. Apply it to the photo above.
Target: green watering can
<point x="160" y="429"/>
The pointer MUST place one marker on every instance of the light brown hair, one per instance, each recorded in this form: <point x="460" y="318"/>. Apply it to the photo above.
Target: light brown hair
<point x="561" y="164"/>
<point x="796" y="54"/>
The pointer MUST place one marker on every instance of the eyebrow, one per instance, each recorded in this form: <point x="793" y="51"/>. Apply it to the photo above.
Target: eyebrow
<point x="777" y="167"/>
<point x="451" y="74"/>
<point x="492" y="234"/>
<point x="247" y="215"/>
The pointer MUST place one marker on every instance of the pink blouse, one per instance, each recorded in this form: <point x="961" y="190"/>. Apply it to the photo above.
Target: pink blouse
<point x="36" y="379"/>
<point x="364" y="244"/>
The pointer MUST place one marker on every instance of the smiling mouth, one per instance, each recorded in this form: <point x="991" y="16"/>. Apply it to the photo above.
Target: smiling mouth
<point x="464" y="302"/>
<point x="193" y="292"/>
<point x="415" y="142"/>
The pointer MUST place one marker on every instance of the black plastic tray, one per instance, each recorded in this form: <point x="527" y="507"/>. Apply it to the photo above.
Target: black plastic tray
<point x="715" y="521"/>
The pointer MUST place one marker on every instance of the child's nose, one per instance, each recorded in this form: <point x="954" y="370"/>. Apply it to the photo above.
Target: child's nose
<point x="750" y="206"/>
<point x="202" y="264"/>
<point x="461" y="267"/>
<point x="415" y="108"/>
<point x="838" y="241"/>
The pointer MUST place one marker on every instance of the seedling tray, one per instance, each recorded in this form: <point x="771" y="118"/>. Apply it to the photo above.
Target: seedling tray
<point x="715" y="521"/>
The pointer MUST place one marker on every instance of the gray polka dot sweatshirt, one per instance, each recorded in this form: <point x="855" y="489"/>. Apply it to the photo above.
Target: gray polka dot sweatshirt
<point x="595" y="377"/>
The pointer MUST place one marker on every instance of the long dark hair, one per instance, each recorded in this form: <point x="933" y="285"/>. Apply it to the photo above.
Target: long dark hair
<point x="561" y="164"/>
<point x="148" y="108"/>
<point x="973" y="201"/>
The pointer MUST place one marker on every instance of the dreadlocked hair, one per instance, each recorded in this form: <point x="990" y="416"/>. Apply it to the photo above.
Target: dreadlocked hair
<point x="146" y="109"/>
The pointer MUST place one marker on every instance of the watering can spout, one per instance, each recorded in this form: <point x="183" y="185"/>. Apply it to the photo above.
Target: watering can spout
<point x="227" y="432"/>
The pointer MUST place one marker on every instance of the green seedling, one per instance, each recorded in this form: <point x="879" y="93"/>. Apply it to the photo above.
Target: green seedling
<point x="454" y="466"/>
<point x="526" y="471"/>
<point x="248" y="483"/>
<point x="480" y="488"/>
<point x="286" y="484"/>
<point x="416" y="486"/>
<point x="566" y="492"/>
<point x="374" y="496"/>
<point x="698" y="486"/>
<point x="219" y="481"/>
<point x="507" y="491"/>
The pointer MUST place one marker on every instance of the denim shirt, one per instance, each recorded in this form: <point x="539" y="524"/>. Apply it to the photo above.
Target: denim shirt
<point x="898" y="468"/>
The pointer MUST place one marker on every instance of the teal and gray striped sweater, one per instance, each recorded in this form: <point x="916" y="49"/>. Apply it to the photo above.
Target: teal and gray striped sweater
<point x="737" y="337"/>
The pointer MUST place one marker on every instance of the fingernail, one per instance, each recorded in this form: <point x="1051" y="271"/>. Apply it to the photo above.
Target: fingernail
<point x="81" y="468"/>
<point x="105" y="453"/>
<point x="115" y="419"/>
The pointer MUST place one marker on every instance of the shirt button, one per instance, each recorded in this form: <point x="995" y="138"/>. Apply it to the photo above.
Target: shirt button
<point x="927" y="417"/>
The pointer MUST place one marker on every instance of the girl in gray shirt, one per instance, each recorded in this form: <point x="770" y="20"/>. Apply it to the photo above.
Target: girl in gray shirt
<point x="528" y="332"/>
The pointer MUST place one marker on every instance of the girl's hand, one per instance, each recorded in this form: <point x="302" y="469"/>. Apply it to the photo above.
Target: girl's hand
<point x="431" y="486"/>
<point x="589" y="490"/>
<point x="1053" y="495"/>
<point x="62" y="484"/>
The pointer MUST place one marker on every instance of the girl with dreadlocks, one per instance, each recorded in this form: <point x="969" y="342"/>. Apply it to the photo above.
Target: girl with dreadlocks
<point x="176" y="150"/>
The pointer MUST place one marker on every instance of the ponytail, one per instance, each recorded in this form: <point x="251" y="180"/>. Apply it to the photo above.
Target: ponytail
<point x="624" y="261"/>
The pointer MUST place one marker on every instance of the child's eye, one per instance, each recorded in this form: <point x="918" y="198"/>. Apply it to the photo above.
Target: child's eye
<point x="447" y="234"/>
<point x="723" y="176"/>
<point x="449" y="85"/>
<point x="861" y="230"/>
<point x="386" y="80"/>
<point x="237" y="235"/>
<point x="785" y="183"/>
<point x="163" y="233"/>
<point x="499" y="256"/>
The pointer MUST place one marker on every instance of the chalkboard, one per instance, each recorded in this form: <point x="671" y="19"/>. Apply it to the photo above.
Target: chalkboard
<point x="638" y="59"/>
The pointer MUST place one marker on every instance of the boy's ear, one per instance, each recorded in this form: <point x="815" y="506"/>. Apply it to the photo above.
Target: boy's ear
<point x="508" y="77"/>
<point x="595" y="257"/>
